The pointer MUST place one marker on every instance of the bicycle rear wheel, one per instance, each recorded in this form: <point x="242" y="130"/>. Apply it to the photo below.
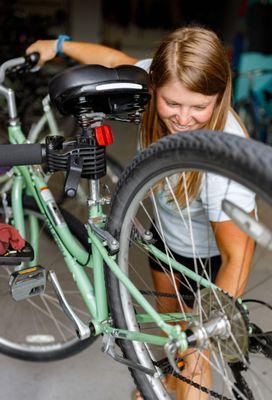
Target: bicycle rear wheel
<point x="36" y="329"/>
<point x="241" y="364"/>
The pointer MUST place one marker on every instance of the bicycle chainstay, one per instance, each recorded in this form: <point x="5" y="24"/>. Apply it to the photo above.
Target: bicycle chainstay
<point x="167" y="369"/>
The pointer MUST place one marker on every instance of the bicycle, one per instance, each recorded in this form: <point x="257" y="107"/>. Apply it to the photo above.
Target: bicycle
<point x="120" y="303"/>
<point x="255" y="109"/>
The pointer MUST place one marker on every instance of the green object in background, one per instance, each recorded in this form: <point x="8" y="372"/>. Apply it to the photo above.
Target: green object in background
<point x="260" y="82"/>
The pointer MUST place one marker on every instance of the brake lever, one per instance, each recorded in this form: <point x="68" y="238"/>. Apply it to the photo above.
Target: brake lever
<point x="33" y="59"/>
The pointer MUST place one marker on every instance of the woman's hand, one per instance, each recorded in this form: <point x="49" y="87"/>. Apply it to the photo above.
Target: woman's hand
<point x="46" y="49"/>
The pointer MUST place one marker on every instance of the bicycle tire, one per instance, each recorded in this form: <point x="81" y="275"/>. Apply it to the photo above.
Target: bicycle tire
<point x="114" y="169"/>
<point x="31" y="349"/>
<point x="245" y="161"/>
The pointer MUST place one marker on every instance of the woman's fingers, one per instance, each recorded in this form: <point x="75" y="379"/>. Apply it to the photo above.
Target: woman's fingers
<point x="46" y="49"/>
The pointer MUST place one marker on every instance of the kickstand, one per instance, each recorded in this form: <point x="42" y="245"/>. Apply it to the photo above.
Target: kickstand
<point x="108" y="347"/>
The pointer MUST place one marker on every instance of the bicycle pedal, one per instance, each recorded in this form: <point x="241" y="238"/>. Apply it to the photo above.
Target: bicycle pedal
<point x="15" y="257"/>
<point x="27" y="283"/>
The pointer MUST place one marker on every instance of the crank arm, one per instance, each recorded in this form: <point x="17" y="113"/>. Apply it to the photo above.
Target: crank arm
<point x="82" y="330"/>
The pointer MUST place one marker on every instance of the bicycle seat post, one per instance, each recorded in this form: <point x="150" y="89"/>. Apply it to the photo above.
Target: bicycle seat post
<point x="94" y="192"/>
<point x="89" y="121"/>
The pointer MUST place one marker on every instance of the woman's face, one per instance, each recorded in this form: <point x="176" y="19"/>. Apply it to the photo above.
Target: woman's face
<point x="181" y="109"/>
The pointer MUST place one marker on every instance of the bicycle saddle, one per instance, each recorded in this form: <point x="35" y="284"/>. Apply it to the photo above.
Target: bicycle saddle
<point x="95" y="88"/>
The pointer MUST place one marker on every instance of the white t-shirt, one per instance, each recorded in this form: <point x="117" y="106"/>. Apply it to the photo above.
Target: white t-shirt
<point x="204" y="208"/>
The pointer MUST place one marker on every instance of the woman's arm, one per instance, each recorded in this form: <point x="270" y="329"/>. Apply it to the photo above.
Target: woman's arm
<point x="83" y="52"/>
<point x="236" y="249"/>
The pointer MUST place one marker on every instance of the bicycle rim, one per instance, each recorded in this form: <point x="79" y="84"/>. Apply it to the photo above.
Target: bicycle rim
<point x="244" y="345"/>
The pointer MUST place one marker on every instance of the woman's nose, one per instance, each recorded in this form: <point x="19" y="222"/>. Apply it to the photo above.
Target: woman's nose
<point x="183" y="117"/>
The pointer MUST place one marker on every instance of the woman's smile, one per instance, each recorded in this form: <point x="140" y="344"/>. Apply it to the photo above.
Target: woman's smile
<point x="177" y="127"/>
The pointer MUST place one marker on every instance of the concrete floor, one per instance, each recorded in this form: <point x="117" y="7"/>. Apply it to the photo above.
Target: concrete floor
<point x="88" y="375"/>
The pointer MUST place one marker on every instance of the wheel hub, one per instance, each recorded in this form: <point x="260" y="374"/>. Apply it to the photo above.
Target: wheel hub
<point x="221" y="324"/>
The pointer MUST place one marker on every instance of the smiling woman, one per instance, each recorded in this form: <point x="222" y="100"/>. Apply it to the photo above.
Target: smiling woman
<point x="191" y="89"/>
<point x="190" y="80"/>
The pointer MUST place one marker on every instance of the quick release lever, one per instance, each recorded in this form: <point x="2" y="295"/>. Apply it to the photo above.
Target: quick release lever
<point x="75" y="165"/>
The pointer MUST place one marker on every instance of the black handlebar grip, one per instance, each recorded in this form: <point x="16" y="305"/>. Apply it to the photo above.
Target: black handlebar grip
<point x="29" y="64"/>
<point x="21" y="154"/>
<point x="32" y="59"/>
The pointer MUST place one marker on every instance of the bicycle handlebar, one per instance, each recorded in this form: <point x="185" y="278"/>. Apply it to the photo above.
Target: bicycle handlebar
<point x="19" y="65"/>
<point x="22" y="154"/>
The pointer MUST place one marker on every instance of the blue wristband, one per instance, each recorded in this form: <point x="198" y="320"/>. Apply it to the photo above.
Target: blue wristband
<point x="60" y="40"/>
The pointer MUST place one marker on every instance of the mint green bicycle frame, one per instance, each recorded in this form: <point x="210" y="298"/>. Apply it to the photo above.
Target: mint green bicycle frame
<point x="31" y="180"/>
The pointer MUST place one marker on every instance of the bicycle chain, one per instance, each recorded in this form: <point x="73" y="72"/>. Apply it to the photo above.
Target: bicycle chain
<point x="166" y="368"/>
<point x="170" y="370"/>
<point x="200" y="387"/>
<point x="162" y="294"/>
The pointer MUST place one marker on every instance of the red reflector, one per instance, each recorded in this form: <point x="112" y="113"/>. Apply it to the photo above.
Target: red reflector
<point x="103" y="135"/>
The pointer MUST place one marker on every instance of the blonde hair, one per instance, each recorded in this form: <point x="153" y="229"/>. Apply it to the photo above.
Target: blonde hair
<point x="195" y="57"/>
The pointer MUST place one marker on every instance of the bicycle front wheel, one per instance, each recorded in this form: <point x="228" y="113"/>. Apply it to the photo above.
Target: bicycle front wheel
<point x="234" y="366"/>
<point x="36" y="329"/>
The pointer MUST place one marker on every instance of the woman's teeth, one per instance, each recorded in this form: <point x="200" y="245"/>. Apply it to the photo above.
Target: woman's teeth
<point x="180" y="126"/>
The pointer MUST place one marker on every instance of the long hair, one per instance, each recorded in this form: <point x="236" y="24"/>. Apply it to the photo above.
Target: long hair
<point x="196" y="58"/>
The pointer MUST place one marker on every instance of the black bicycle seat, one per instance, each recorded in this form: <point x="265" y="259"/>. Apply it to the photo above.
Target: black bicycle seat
<point x="95" y="88"/>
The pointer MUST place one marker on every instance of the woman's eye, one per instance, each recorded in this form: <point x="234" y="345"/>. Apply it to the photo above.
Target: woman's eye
<point x="172" y="104"/>
<point x="200" y="107"/>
